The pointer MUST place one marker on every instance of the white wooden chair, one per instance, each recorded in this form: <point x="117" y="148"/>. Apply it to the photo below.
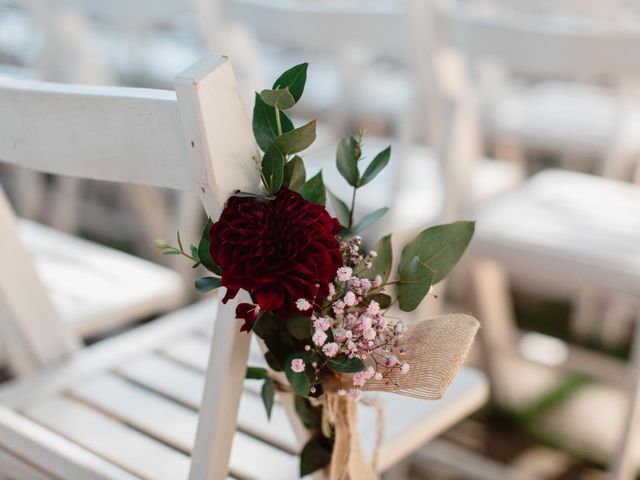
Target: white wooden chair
<point x="578" y="99"/>
<point x="563" y="230"/>
<point x="127" y="407"/>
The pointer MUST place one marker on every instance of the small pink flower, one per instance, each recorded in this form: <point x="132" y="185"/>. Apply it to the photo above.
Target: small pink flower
<point x="322" y="324"/>
<point x="373" y="254"/>
<point x="373" y="309"/>
<point x="332" y="290"/>
<point x="377" y="281"/>
<point x="319" y="337"/>
<point x="378" y="376"/>
<point x="342" y="392"/>
<point x="350" y="299"/>
<point x="369" y="333"/>
<point x="297" y="365"/>
<point x="390" y="360"/>
<point x="330" y="349"/>
<point x="303" y="305"/>
<point x="344" y="273"/>
<point x="404" y="369"/>
<point x="359" y="378"/>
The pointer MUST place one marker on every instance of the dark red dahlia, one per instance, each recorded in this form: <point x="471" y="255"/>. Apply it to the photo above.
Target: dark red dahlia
<point x="279" y="250"/>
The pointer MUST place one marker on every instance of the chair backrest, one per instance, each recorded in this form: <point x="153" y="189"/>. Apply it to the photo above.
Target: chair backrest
<point x="537" y="46"/>
<point x="199" y="140"/>
<point x="130" y="136"/>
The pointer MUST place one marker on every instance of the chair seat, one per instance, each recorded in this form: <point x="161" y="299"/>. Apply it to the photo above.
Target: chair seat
<point x="135" y="398"/>
<point x="418" y="201"/>
<point x="566" y="229"/>
<point x="96" y="288"/>
<point x="567" y="117"/>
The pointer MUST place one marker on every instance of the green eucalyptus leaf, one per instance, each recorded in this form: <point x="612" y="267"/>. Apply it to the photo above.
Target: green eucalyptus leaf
<point x="268" y="394"/>
<point x="339" y="208"/>
<point x="315" y="455"/>
<point x="280" y="98"/>
<point x="344" y="364"/>
<point x="204" y="253"/>
<point x="273" y="168"/>
<point x="369" y="220"/>
<point x="414" y="280"/>
<point x="299" y="381"/>
<point x="256" y="373"/>
<point x="265" y="128"/>
<point x="294" y="174"/>
<point x="160" y="243"/>
<point x="347" y="160"/>
<point x="376" y="166"/>
<point x="314" y="190"/>
<point x="381" y="264"/>
<point x="294" y="79"/>
<point x="297" y="140"/>
<point x="309" y="415"/>
<point x="299" y="326"/>
<point x="439" y="247"/>
<point x="272" y="361"/>
<point x="194" y="253"/>
<point x="206" y="284"/>
<point x="383" y="299"/>
<point x="253" y="195"/>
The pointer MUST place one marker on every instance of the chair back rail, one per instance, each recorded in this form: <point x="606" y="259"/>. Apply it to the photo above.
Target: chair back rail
<point x="200" y="141"/>
<point x="529" y="46"/>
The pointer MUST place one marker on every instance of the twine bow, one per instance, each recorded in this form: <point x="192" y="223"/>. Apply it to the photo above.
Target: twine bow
<point x="436" y="350"/>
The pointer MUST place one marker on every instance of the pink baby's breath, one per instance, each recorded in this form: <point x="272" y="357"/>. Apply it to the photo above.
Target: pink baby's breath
<point x="297" y="365"/>
<point x="303" y="305"/>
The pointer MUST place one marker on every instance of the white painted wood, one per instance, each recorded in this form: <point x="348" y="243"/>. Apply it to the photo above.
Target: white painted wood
<point x="50" y="452"/>
<point x="103" y="133"/>
<point x="624" y="465"/>
<point x="9" y="463"/>
<point x="222" y="157"/>
<point x="34" y="333"/>
<point x="186" y="386"/>
<point x="124" y="446"/>
<point x="95" y="288"/>
<point x="176" y="425"/>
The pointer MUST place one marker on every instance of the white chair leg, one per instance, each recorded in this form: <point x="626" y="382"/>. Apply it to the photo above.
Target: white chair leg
<point x="498" y="331"/>
<point x="65" y="210"/>
<point x="585" y="316"/>
<point x="624" y="465"/>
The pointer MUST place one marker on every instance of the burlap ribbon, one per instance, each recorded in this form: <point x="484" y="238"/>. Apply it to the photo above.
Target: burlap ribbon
<point x="436" y="350"/>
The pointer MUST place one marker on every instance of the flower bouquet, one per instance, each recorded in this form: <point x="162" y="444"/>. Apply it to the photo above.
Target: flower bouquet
<point x="325" y="302"/>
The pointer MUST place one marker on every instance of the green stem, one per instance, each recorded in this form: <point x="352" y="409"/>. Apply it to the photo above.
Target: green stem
<point x="353" y="202"/>
<point x="278" y="125"/>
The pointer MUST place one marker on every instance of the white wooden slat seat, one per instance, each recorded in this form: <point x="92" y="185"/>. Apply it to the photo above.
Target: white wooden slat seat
<point x="146" y="399"/>
<point x="565" y="233"/>
<point x="96" y="288"/>
<point x="563" y="218"/>
<point x="160" y="401"/>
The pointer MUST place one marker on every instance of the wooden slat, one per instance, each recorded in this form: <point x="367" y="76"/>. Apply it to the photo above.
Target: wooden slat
<point x="184" y="385"/>
<point x="175" y="425"/>
<point x="95" y="287"/>
<point x="106" y="133"/>
<point x="53" y="453"/>
<point x="124" y="446"/>
<point x="109" y="354"/>
<point x="18" y="468"/>
<point x="410" y="422"/>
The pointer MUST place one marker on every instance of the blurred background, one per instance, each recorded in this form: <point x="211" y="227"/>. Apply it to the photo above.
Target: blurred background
<point x="521" y="114"/>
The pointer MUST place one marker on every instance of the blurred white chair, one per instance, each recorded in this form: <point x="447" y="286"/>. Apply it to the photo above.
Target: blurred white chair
<point x="577" y="96"/>
<point x="128" y="407"/>
<point x="563" y="231"/>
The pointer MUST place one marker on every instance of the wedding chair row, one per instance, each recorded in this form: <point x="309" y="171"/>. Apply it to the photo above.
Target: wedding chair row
<point x="139" y="405"/>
